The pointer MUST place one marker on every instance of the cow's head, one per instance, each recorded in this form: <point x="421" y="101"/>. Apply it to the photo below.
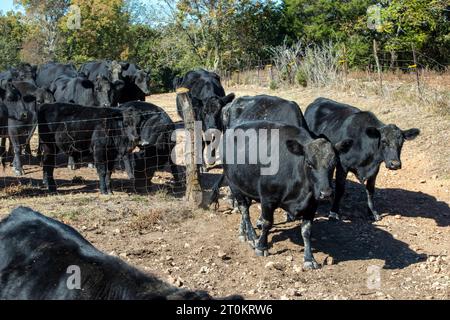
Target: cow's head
<point x="390" y="141"/>
<point x="320" y="160"/>
<point x="107" y="92"/>
<point x="211" y="112"/>
<point x="19" y="108"/>
<point x="43" y="96"/>
<point x="131" y="120"/>
<point x="84" y="92"/>
<point x="142" y="81"/>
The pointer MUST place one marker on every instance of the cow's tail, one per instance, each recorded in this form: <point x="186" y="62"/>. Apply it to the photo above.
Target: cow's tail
<point x="214" y="198"/>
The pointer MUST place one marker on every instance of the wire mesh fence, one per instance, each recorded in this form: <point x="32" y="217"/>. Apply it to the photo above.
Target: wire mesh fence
<point x="81" y="159"/>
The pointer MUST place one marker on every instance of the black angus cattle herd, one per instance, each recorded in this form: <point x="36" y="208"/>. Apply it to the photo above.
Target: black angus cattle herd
<point x="98" y="115"/>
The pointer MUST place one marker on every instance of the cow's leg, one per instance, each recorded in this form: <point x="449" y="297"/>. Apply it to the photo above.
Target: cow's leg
<point x="262" y="246"/>
<point x="108" y="182"/>
<point x="14" y="139"/>
<point x="3" y="152"/>
<point x="309" y="261"/>
<point x="246" y="231"/>
<point x="341" y="177"/>
<point x="48" y="164"/>
<point x="128" y="167"/>
<point x="101" y="171"/>
<point x="370" y="190"/>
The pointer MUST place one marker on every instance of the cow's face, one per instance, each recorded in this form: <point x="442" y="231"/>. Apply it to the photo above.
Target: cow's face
<point x="131" y="121"/>
<point x="211" y="113"/>
<point x="320" y="160"/>
<point x="44" y="96"/>
<point x="390" y="140"/>
<point x="84" y="92"/>
<point x="108" y="93"/>
<point x="19" y="108"/>
<point x="116" y="71"/>
<point x="142" y="81"/>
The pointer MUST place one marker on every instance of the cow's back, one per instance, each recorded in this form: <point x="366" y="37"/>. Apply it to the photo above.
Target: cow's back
<point x="265" y="108"/>
<point x="49" y="72"/>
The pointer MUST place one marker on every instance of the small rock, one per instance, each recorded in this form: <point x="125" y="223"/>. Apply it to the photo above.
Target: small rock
<point x="204" y="269"/>
<point x="423" y="181"/>
<point x="123" y="255"/>
<point x="169" y="258"/>
<point x="293" y="292"/>
<point x="116" y="231"/>
<point x="186" y="245"/>
<point x="284" y="297"/>
<point x="274" y="265"/>
<point x="222" y="255"/>
<point x="289" y="258"/>
<point x="113" y="253"/>
<point x="269" y="265"/>
<point x="397" y="216"/>
<point x="437" y="270"/>
<point x="83" y="228"/>
<point x="251" y="292"/>
<point x="177" y="281"/>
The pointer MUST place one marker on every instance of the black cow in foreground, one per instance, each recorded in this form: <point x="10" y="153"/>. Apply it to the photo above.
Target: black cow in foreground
<point x="374" y="143"/>
<point x="155" y="134"/>
<point x="44" y="259"/>
<point x="207" y="96"/>
<point x="262" y="107"/>
<point x="305" y="167"/>
<point x="83" y="133"/>
<point x="18" y="113"/>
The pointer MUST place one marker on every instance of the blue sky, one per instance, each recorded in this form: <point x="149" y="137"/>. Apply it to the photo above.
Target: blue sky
<point x="6" y="5"/>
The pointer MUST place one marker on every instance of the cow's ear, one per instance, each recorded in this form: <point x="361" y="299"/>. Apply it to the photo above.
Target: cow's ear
<point x="295" y="148"/>
<point x="119" y="85"/>
<point x="410" y="134"/>
<point x="227" y="99"/>
<point x="344" y="146"/>
<point x="29" y="98"/>
<point x="373" y="133"/>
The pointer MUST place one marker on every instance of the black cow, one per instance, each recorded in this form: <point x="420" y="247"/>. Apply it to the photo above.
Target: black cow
<point x="21" y="112"/>
<point x="84" y="132"/>
<point x="155" y="133"/>
<point x="374" y="142"/>
<point x="262" y="107"/>
<point x="49" y="72"/>
<point x="44" y="259"/>
<point x="207" y="96"/>
<point x="137" y="83"/>
<point x="106" y="77"/>
<point x="66" y="84"/>
<point x="3" y="133"/>
<point x="305" y="167"/>
<point x="23" y="72"/>
<point x="27" y="88"/>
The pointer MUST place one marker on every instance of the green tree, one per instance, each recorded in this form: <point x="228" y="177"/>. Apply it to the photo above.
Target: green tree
<point x="13" y="32"/>
<point x="103" y="32"/>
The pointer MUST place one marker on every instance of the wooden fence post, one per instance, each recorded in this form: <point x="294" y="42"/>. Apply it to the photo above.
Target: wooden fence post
<point x="416" y="70"/>
<point x="377" y="61"/>
<point x="194" y="191"/>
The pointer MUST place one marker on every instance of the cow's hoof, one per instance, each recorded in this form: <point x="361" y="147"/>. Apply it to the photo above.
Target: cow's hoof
<point x="18" y="172"/>
<point x="72" y="167"/>
<point x="376" y="216"/>
<point x="262" y="252"/>
<point x="311" y="265"/>
<point x="242" y="238"/>
<point x="91" y="166"/>
<point x="333" y="216"/>
<point x="259" y="224"/>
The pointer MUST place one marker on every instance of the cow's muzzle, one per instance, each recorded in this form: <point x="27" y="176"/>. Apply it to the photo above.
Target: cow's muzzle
<point x="394" y="165"/>
<point x="326" y="194"/>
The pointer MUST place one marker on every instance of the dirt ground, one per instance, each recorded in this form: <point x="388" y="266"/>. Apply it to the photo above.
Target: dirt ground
<point x="403" y="256"/>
